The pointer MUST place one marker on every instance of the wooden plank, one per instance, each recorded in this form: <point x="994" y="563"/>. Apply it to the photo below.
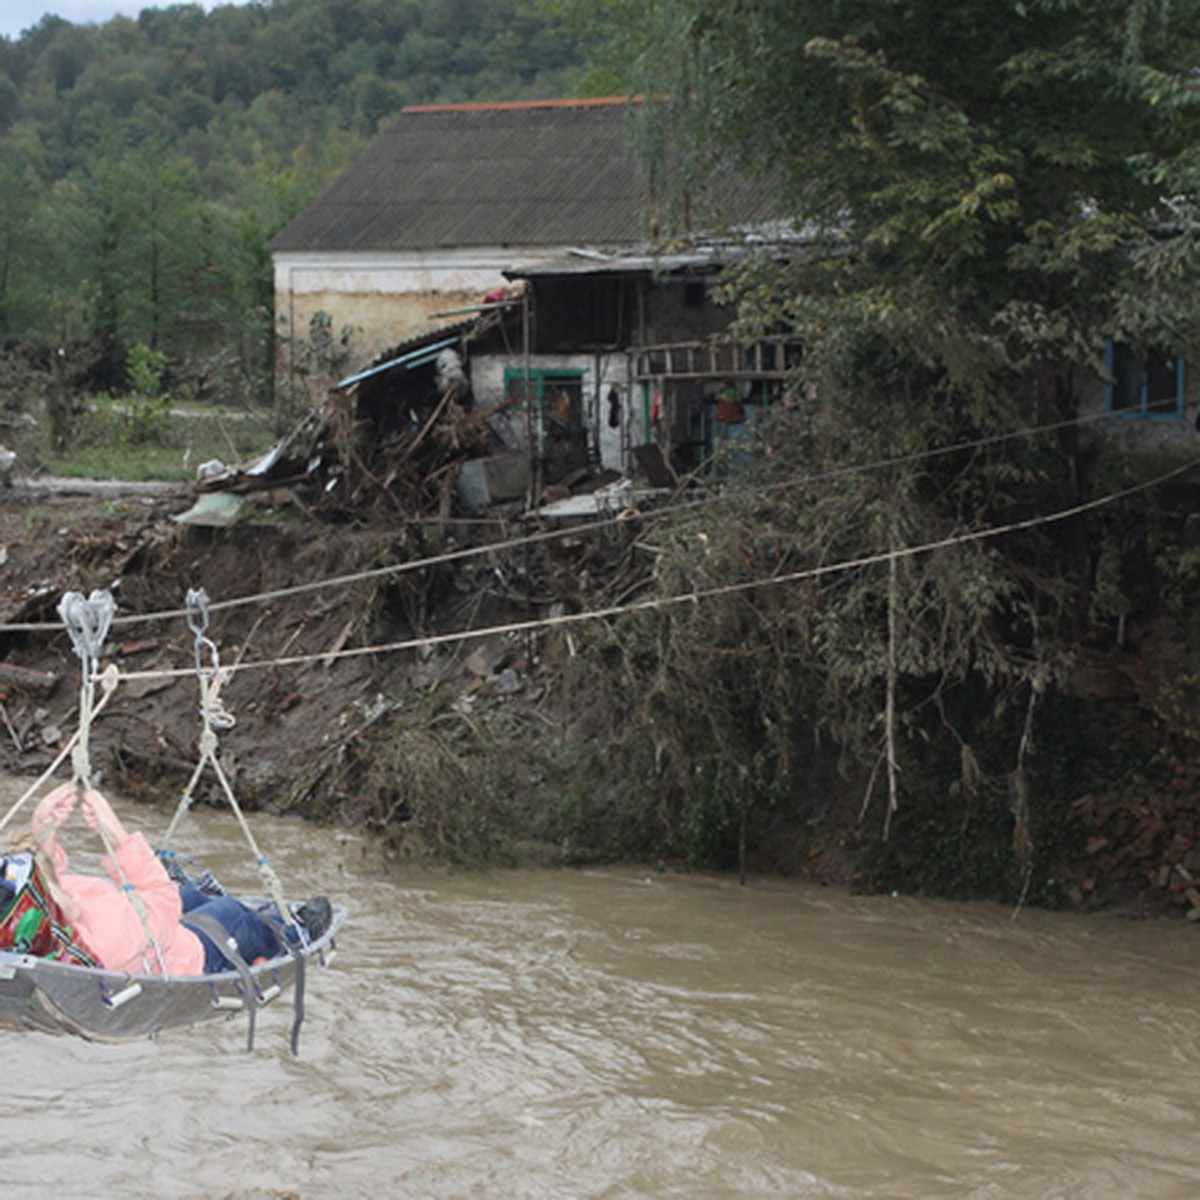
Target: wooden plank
<point x="23" y="679"/>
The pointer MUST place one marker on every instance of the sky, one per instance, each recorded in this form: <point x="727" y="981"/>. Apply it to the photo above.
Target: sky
<point x="16" y="15"/>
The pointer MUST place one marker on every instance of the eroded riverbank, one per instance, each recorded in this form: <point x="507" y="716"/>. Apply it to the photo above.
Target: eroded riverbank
<point x="510" y="747"/>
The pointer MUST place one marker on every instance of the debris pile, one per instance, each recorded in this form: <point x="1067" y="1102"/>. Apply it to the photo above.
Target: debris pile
<point x="405" y="438"/>
<point x="390" y="444"/>
<point x="1143" y="843"/>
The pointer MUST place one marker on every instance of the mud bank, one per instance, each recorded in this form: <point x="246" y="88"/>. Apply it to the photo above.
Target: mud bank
<point x="320" y="712"/>
<point x="126" y="539"/>
<point x="329" y="727"/>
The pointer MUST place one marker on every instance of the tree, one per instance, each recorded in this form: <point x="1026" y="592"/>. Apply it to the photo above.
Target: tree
<point x="994" y="189"/>
<point x="1019" y="152"/>
<point x="228" y="98"/>
<point x="18" y="202"/>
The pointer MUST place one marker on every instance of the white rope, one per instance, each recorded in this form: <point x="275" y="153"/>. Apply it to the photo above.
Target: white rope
<point x="88" y="622"/>
<point x="210" y="676"/>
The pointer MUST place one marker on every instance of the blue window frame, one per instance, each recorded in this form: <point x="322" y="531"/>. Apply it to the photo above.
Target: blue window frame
<point x="1145" y="384"/>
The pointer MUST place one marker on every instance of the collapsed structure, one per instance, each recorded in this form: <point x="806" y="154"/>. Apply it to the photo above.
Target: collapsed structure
<point x="553" y="332"/>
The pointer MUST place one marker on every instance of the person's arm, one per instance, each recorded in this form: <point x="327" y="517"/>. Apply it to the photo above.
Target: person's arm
<point x="132" y="863"/>
<point x="52" y="811"/>
<point x="99" y="815"/>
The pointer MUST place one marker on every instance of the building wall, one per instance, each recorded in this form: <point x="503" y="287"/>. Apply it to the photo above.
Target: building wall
<point x="336" y="313"/>
<point x="683" y="311"/>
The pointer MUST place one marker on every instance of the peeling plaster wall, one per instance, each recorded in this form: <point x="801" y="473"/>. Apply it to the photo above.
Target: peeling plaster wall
<point x="369" y="302"/>
<point x="374" y="321"/>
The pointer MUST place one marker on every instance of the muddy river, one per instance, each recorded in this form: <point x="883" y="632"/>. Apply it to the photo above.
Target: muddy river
<point x="618" y="1033"/>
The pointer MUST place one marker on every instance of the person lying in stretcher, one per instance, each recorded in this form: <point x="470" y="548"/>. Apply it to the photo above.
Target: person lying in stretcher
<point x="87" y="917"/>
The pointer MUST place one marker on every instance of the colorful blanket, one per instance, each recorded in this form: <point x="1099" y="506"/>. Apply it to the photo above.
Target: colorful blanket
<point x="31" y="921"/>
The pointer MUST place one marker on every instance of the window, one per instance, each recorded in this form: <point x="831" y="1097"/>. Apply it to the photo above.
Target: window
<point x="1149" y="384"/>
<point x="560" y="392"/>
<point x="559" y="413"/>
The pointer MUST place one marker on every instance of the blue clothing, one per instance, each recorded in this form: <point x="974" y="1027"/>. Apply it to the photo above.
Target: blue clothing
<point x="254" y="935"/>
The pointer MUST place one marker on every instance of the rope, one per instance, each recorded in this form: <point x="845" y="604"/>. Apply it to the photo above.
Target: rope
<point x="108" y="684"/>
<point x="210" y="676"/>
<point x="583" y="527"/>
<point x="88" y="622"/>
<point x="662" y="602"/>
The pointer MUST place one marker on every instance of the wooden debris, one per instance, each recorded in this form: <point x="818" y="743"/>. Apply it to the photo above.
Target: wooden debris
<point x="338" y="644"/>
<point x="23" y="679"/>
<point x="12" y="733"/>
<point x="128" y="649"/>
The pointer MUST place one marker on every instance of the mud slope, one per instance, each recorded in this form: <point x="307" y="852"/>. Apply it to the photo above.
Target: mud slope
<point x="148" y="735"/>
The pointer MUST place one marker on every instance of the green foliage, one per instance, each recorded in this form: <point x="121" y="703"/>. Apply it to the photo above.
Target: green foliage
<point x="988" y="190"/>
<point x="147" y="405"/>
<point x="1179" y="569"/>
<point x="145" y="164"/>
<point x="1007" y="169"/>
<point x="730" y="696"/>
<point x="144" y="373"/>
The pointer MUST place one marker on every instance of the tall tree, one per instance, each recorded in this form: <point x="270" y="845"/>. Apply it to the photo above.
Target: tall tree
<point x="991" y="189"/>
<point x="19" y="195"/>
<point x="1023" y="160"/>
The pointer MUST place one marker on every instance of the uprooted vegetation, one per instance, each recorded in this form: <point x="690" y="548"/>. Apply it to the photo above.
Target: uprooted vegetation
<point x="460" y="748"/>
<point x="443" y="694"/>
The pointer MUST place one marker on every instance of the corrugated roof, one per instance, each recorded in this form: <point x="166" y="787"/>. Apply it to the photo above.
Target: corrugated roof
<point x="470" y="175"/>
<point x="778" y="239"/>
<point x="540" y="173"/>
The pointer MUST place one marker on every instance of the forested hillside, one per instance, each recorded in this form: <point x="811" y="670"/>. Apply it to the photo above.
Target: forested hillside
<point x="145" y="163"/>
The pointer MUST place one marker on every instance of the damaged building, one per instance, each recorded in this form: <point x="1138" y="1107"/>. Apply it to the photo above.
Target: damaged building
<point x="581" y="375"/>
<point x="517" y="323"/>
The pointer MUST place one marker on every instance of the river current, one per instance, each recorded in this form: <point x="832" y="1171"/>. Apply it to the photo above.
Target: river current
<point x="624" y="1033"/>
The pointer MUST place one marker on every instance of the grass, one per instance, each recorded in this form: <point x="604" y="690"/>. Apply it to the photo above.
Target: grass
<point x="113" y="442"/>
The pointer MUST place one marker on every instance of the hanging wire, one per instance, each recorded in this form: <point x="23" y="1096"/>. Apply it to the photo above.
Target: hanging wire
<point x="574" y="530"/>
<point x="691" y="597"/>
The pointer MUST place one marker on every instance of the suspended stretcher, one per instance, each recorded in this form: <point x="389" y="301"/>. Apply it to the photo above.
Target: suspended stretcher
<point x="108" y="1006"/>
<point x="49" y="983"/>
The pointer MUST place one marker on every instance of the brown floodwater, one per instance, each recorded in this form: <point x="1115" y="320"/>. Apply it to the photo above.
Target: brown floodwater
<point x="622" y="1033"/>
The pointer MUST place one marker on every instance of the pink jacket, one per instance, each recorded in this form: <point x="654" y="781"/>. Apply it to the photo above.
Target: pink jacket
<point x="108" y="924"/>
